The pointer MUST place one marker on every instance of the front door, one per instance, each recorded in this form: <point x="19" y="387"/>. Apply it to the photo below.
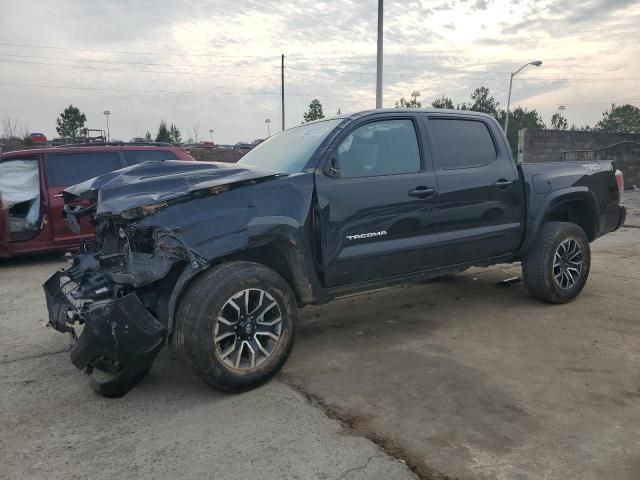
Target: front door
<point x="377" y="199"/>
<point x="480" y="202"/>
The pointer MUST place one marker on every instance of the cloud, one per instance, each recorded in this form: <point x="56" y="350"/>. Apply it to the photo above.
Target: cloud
<point x="226" y="53"/>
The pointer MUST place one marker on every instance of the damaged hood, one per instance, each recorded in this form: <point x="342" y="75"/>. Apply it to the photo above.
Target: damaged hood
<point x="154" y="182"/>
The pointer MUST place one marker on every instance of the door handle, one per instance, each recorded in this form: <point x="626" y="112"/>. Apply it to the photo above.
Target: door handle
<point x="503" y="184"/>
<point x="422" y="192"/>
<point x="58" y="195"/>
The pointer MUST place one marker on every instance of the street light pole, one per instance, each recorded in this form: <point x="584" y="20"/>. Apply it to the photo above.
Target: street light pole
<point x="537" y="63"/>
<point x="106" y="114"/>
<point x="380" y="53"/>
<point x="211" y="133"/>
<point x="268" y="122"/>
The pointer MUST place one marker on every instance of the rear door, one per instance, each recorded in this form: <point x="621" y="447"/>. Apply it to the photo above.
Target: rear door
<point x="480" y="202"/>
<point x="65" y="169"/>
<point x="376" y="198"/>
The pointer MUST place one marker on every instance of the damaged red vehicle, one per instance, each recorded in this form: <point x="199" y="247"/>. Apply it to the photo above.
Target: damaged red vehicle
<point x="32" y="182"/>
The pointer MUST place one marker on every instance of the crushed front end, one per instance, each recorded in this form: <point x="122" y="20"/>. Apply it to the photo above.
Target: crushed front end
<point x="109" y="301"/>
<point x="157" y="225"/>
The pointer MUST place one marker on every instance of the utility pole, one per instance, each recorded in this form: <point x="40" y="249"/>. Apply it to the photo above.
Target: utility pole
<point x="282" y="75"/>
<point x="106" y="114"/>
<point x="380" y="53"/>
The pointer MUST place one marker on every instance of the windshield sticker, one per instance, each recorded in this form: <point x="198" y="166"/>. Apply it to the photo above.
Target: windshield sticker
<point x="597" y="167"/>
<point x="317" y="131"/>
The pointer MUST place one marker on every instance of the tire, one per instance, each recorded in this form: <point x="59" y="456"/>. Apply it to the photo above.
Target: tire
<point x="238" y="293"/>
<point x="550" y="270"/>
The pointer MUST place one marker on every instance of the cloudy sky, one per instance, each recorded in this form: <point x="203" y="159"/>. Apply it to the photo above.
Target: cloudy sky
<point x="216" y="63"/>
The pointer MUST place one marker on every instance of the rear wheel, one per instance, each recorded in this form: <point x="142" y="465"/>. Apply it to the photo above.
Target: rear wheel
<point x="557" y="267"/>
<point x="235" y="326"/>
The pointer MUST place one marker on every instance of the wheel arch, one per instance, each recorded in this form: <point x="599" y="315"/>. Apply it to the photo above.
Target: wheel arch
<point x="575" y="205"/>
<point x="289" y="258"/>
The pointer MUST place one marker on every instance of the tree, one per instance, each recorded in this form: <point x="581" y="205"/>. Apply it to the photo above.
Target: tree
<point x="147" y="136"/>
<point x="623" y="119"/>
<point x="315" y="111"/>
<point x="413" y="103"/>
<point x="443" y="102"/>
<point x="14" y="128"/>
<point x="484" y="102"/>
<point x="70" y="122"/>
<point x="163" y="133"/>
<point x="519" y="119"/>
<point x="195" y="129"/>
<point x="559" y="122"/>
<point x="176" y="136"/>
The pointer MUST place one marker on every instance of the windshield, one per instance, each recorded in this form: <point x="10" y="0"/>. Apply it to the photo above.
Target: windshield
<point x="289" y="151"/>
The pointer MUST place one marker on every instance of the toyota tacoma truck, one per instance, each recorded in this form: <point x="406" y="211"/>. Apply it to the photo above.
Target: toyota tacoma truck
<point x="216" y="258"/>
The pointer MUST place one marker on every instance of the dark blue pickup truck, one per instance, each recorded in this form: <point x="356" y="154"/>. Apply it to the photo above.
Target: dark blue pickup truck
<point x="216" y="258"/>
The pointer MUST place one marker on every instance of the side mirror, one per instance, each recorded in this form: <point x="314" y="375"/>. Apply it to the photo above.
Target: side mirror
<point x="333" y="170"/>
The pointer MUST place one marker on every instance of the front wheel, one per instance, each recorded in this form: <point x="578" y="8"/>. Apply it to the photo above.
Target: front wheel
<point x="557" y="267"/>
<point x="236" y="325"/>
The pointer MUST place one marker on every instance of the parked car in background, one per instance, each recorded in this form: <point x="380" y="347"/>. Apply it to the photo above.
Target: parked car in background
<point x="32" y="182"/>
<point x="38" y="137"/>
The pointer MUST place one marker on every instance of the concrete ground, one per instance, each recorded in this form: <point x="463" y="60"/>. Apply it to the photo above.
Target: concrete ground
<point x="459" y="378"/>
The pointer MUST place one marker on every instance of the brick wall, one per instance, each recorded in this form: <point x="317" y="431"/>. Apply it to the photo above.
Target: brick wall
<point x="535" y="146"/>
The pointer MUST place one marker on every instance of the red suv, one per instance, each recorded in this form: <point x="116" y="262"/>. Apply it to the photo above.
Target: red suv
<point x="31" y="185"/>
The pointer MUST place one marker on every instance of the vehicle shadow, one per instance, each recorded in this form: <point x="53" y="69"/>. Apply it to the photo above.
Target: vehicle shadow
<point x="31" y="260"/>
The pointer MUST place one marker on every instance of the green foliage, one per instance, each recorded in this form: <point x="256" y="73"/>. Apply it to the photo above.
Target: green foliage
<point x="559" y="122"/>
<point x="176" y="136"/>
<point x="519" y="119"/>
<point x="147" y="136"/>
<point x="163" y="133"/>
<point x="413" y="103"/>
<point x="483" y="102"/>
<point x="622" y="118"/>
<point x="70" y="122"/>
<point x="315" y="111"/>
<point x="443" y="102"/>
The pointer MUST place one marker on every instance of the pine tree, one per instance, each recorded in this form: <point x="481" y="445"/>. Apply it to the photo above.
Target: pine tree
<point x="176" y="136"/>
<point x="315" y="111"/>
<point x="163" y="133"/>
<point x="70" y="122"/>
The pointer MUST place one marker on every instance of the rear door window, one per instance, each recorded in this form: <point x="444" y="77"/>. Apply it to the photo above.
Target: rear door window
<point x="65" y="169"/>
<point x="460" y="143"/>
<point x="135" y="157"/>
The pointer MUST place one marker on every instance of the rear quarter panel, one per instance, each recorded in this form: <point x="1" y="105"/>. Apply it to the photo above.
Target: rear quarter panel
<point x="547" y="185"/>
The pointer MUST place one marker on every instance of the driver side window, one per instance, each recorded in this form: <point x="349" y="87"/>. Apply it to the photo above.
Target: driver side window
<point x="386" y="147"/>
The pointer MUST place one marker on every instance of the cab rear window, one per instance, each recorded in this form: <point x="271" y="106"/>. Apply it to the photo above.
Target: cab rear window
<point x="138" y="156"/>
<point x="65" y="169"/>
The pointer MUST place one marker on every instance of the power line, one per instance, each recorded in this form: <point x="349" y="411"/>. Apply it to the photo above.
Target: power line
<point x="145" y="64"/>
<point x="122" y="52"/>
<point x="208" y="92"/>
<point x="91" y="67"/>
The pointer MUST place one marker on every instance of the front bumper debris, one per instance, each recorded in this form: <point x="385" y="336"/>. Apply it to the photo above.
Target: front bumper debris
<point x="119" y="337"/>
